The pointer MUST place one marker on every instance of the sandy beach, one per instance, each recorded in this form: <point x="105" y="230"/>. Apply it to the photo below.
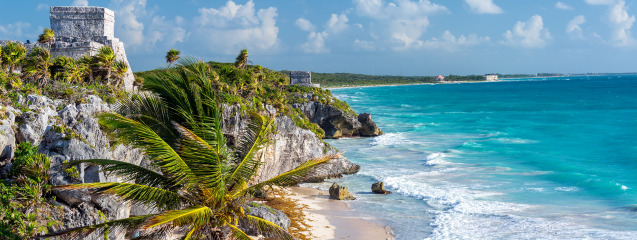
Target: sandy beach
<point x="325" y="218"/>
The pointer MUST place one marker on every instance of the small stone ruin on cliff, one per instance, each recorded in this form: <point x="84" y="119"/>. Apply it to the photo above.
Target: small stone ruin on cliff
<point x="302" y="78"/>
<point x="82" y="31"/>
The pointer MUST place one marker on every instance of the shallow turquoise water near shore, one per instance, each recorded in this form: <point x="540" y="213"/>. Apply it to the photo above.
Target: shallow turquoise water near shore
<point x="530" y="158"/>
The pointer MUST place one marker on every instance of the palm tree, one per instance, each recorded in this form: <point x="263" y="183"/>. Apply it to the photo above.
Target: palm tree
<point x="121" y="67"/>
<point x="13" y="54"/>
<point x="86" y="65"/>
<point x="202" y="184"/>
<point x="242" y="59"/>
<point x="171" y="56"/>
<point x="105" y="60"/>
<point x="37" y="65"/>
<point x="47" y="37"/>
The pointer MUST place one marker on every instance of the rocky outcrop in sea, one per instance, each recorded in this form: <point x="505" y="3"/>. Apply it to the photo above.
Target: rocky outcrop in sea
<point x="338" y="123"/>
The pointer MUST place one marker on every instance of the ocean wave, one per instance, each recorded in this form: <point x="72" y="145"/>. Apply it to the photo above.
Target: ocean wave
<point x="436" y="158"/>
<point x="567" y="189"/>
<point x="515" y="140"/>
<point x="390" y="139"/>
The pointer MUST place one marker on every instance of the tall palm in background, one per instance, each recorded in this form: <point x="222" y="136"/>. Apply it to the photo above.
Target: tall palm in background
<point x="47" y="37"/>
<point x="13" y="55"/>
<point x="242" y="59"/>
<point x="202" y="184"/>
<point x="37" y="65"/>
<point x="171" y="56"/>
<point x="105" y="60"/>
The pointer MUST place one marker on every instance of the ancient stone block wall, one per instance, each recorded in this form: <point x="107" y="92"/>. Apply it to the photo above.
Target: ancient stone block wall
<point x="302" y="78"/>
<point x="82" y="22"/>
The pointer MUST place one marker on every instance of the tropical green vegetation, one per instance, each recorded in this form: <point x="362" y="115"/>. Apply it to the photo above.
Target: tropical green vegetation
<point x="350" y="79"/>
<point x="59" y="77"/>
<point x="202" y="184"/>
<point x="171" y="56"/>
<point x="253" y="87"/>
<point x="24" y="211"/>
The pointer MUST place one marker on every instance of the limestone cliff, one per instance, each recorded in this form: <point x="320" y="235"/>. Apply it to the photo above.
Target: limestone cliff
<point x="69" y="131"/>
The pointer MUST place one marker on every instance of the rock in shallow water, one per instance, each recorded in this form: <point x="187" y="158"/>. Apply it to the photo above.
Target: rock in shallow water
<point x="379" y="187"/>
<point x="340" y="193"/>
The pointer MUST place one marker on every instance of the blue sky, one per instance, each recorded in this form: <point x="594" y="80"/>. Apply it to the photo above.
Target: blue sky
<point x="394" y="37"/>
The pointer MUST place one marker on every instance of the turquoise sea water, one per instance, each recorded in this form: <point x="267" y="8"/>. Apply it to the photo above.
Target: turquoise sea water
<point x="523" y="159"/>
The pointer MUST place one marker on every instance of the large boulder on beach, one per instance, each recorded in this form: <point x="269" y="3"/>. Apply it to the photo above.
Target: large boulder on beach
<point x="265" y="212"/>
<point x="368" y="127"/>
<point x="340" y="192"/>
<point x="379" y="187"/>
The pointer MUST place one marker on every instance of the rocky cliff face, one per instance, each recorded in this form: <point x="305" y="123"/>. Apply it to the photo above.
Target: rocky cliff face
<point x="292" y="146"/>
<point x="336" y="123"/>
<point x="69" y="131"/>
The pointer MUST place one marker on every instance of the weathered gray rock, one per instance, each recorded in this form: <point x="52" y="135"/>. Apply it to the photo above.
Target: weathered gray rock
<point x="340" y="192"/>
<point x="368" y="127"/>
<point x="7" y="141"/>
<point x="80" y="138"/>
<point x="270" y="214"/>
<point x="379" y="187"/>
<point x="337" y="123"/>
<point x="292" y="146"/>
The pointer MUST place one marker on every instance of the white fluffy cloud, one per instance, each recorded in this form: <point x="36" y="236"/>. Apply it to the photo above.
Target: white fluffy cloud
<point x="232" y="27"/>
<point x="316" y="40"/>
<point x="451" y="43"/>
<point x="574" y="29"/>
<point x="529" y="34"/>
<point x="399" y="23"/>
<point x="483" y="6"/>
<point x="142" y="29"/>
<point x="600" y="2"/>
<point x="305" y="24"/>
<point x="620" y="21"/>
<point x="563" y="6"/>
<point x="80" y="3"/>
<point x="20" y="31"/>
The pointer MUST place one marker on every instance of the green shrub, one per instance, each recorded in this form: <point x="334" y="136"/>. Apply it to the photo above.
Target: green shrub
<point x="29" y="163"/>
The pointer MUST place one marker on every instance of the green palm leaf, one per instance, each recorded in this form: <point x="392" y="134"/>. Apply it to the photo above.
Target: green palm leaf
<point x="254" y="139"/>
<point x="129" y="172"/>
<point x="136" y="193"/>
<point x="238" y="234"/>
<point x="290" y="177"/>
<point x="195" y="215"/>
<point x="142" y="136"/>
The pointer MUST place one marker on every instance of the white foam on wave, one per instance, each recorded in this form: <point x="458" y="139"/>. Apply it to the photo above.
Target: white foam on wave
<point x="515" y="140"/>
<point x="389" y="139"/>
<point x="436" y="158"/>
<point x="463" y="213"/>
<point x="567" y="189"/>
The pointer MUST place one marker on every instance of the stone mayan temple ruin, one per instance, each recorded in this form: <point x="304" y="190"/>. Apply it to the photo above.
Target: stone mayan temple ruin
<point x="302" y="78"/>
<point x="82" y="31"/>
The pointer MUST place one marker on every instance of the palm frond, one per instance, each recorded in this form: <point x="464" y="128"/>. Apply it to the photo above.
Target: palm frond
<point x="82" y="232"/>
<point x="151" y="110"/>
<point x="141" y="136"/>
<point x="238" y="234"/>
<point x="129" y="172"/>
<point x="195" y="215"/>
<point x="136" y="193"/>
<point x="290" y="177"/>
<point x="268" y="229"/>
<point x="254" y="139"/>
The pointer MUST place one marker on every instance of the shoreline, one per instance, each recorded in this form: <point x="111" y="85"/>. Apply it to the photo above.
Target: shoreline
<point x="409" y="84"/>
<point x="326" y="218"/>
